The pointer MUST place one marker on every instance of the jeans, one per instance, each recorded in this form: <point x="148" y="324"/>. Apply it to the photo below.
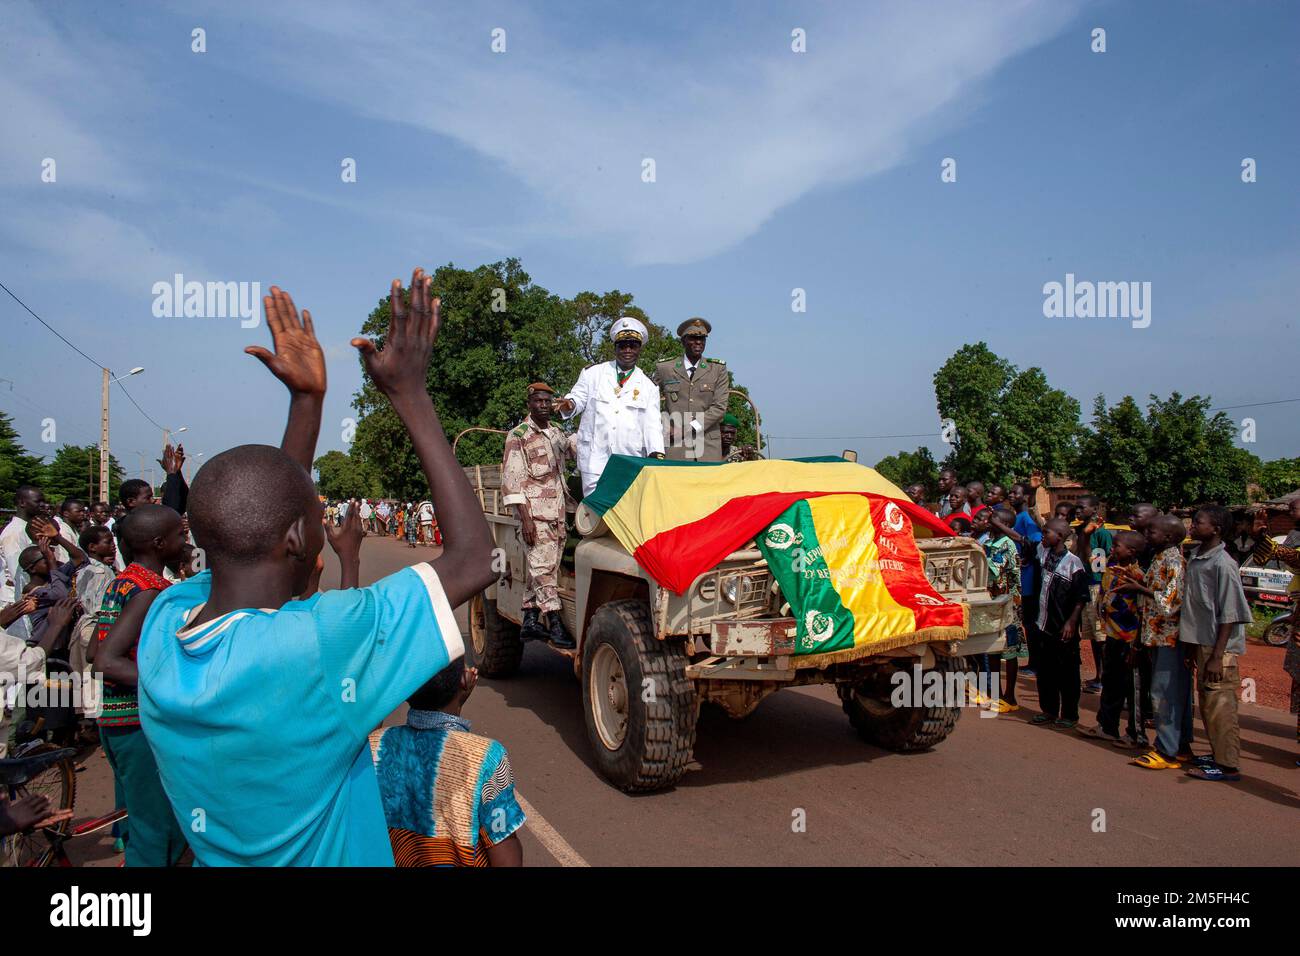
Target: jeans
<point x="1171" y="693"/>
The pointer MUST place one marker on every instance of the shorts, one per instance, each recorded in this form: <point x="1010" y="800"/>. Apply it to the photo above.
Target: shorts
<point x="1017" y="649"/>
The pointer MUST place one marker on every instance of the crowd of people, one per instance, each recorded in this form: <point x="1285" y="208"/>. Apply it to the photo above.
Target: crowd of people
<point x="414" y="522"/>
<point x="1158" y="601"/>
<point x="242" y="707"/>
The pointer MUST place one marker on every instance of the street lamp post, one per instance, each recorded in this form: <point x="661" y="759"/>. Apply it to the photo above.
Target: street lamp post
<point x="167" y="434"/>
<point x="103" y="427"/>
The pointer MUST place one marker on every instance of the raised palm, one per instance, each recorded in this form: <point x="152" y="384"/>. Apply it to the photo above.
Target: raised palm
<point x="412" y="329"/>
<point x="298" y="360"/>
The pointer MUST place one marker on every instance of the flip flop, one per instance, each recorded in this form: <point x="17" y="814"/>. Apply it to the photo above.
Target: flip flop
<point x="1064" y="723"/>
<point x="1003" y="707"/>
<point x="1154" y="760"/>
<point x="1129" y="743"/>
<point x="1042" y="719"/>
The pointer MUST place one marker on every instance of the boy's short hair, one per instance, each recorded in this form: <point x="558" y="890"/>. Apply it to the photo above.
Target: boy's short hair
<point x="130" y="489"/>
<point x="141" y="526"/>
<point x="244" y="500"/>
<point x="1133" y="539"/>
<point x="1173" y="526"/>
<point x="68" y="502"/>
<point x="1219" y="516"/>
<point x="440" y="689"/>
<point x="92" y="535"/>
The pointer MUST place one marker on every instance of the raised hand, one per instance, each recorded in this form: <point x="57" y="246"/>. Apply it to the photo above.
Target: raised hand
<point x="298" y="360"/>
<point x="346" y="538"/>
<point x="402" y="364"/>
<point x="46" y="530"/>
<point x="168" y="460"/>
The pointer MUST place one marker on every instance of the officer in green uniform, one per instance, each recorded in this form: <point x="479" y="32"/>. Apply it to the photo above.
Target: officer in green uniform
<point x="695" y="391"/>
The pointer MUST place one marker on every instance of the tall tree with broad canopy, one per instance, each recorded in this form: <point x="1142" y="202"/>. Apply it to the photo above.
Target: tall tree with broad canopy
<point x="1009" y="423"/>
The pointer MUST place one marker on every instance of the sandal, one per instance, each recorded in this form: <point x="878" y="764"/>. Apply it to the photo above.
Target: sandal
<point x="1042" y="719"/>
<point x="1064" y="723"/>
<point x="1214" y="773"/>
<point x="1130" y="743"/>
<point x="1154" y="760"/>
<point x="1005" y="707"/>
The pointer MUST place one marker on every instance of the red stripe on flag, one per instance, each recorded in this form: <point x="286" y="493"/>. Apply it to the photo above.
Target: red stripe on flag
<point x="909" y="586"/>
<point x="678" y="556"/>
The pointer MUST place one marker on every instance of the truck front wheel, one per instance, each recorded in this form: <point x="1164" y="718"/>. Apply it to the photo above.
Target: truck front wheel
<point x="874" y="716"/>
<point x="638" y="703"/>
<point x="495" y="648"/>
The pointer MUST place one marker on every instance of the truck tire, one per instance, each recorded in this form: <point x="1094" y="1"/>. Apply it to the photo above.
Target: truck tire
<point x="638" y="744"/>
<point x="494" y="644"/>
<point x="902" y="729"/>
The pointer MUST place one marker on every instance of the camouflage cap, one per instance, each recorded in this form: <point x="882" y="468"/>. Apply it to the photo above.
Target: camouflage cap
<point x="694" y="326"/>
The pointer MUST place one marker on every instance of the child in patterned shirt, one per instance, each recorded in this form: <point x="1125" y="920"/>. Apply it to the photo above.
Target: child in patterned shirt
<point x="1171" y="679"/>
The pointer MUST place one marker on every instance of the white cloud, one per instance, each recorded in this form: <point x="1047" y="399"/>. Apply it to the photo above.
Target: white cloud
<point x="738" y="125"/>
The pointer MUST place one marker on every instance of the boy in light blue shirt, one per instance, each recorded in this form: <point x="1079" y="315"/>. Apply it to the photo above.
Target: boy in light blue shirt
<point x="257" y="706"/>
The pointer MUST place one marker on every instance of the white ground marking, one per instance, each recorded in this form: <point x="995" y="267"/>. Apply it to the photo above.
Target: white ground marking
<point x="549" y="837"/>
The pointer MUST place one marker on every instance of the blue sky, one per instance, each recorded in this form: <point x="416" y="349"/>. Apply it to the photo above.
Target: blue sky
<point x="775" y="171"/>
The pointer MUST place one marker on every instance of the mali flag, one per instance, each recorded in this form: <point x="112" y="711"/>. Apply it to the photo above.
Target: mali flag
<point x="679" y="518"/>
<point x="854" y="577"/>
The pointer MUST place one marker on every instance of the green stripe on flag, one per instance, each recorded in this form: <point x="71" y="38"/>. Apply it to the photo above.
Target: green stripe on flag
<point x="794" y="555"/>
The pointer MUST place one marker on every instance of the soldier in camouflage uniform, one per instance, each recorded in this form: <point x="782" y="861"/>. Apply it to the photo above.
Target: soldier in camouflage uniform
<point x="694" y="390"/>
<point x="532" y="480"/>
<point x="730" y="453"/>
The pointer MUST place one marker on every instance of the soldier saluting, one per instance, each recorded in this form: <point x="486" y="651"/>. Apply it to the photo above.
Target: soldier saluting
<point x="695" y="391"/>
<point x="619" y="406"/>
<point x="532" y="480"/>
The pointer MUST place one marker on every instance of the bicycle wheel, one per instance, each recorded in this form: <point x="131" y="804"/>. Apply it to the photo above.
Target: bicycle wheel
<point x="59" y="783"/>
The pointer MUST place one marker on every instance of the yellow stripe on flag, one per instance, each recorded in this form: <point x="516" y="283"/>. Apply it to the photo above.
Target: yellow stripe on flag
<point x="848" y="545"/>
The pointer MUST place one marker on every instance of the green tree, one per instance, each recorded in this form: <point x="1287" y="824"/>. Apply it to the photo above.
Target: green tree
<point x="1009" y="423"/>
<point x="1113" y="454"/>
<point x="911" y="466"/>
<point x="339" y="475"/>
<point x="1191" y="458"/>
<point x="73" y="472"/>
<point x="1279" y="477"/>
<point x="17" y="467"/>
<point x="492" y="344"/>
<point x="1175" y="455"/>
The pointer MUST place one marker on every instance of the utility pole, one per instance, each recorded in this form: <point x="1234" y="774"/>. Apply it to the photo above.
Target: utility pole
<point x="103" y="440"/>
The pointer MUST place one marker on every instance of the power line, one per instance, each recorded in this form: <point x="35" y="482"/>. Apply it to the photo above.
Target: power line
<point x="1280" y="401"/>
<point x="51" y="328"/>
<point x="97" y="365"/>
<point x="138" y="408"/>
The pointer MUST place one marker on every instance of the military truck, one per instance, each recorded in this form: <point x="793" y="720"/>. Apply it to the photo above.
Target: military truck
<point x="647" y="658"/>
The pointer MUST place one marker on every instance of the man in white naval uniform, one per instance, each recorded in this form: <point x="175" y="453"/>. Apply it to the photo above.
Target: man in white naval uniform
<point x="619" y="406"/>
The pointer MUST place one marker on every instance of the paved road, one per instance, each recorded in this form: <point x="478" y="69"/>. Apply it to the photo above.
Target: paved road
<point x="997" y="792"/>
